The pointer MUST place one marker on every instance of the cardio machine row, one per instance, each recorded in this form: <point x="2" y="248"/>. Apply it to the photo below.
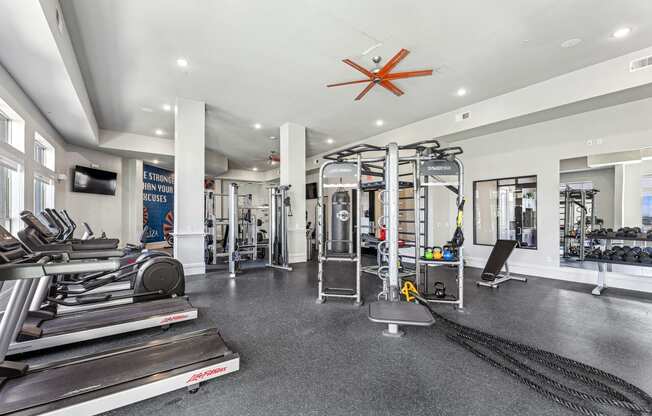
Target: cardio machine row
<point x="144" y="291"/>
<point x="97" y="382"/>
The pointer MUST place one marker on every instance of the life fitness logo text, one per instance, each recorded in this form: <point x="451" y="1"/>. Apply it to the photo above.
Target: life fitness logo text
<point x="173" y="318"/>
<point x="195" y="378"/>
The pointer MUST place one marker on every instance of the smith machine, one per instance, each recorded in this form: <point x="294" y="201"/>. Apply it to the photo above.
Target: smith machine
<point x="239" y="231"/>
<point x="429" y="166"/>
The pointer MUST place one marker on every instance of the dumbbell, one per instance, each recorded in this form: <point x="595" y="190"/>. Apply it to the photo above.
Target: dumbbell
<point x="631" y="257"/>
<point x="645" y="258"/>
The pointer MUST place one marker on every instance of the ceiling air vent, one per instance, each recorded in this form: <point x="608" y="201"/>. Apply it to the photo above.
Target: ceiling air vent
<point x="462" y="116"/>
<point x="641" y="63"/>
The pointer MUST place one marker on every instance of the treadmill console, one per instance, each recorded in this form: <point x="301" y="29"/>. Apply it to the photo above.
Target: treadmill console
<point x="10" y="248"/>
<point x="33" y="222"/>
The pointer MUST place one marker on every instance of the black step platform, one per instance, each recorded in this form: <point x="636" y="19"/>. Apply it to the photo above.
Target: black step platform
<point x="400" y="313"/>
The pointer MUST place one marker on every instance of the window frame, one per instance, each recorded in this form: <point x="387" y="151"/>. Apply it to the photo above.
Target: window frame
<point x="16" y="130"/>
<point x="644" y="193"/>
<point x="48" y="196"/>
<point x="43" y="147"/>
<point x="16" y="199"/>
<point x="515" y="180"/>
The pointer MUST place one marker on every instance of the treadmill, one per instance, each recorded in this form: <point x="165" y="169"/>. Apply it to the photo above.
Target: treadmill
<point x="95" y="383"/>
<point x="44" y="328"/>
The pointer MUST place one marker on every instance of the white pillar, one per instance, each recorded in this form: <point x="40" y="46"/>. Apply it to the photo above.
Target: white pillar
<point x="293" y="173"/>
<point x="189" y="142"/>
<point x="132" y="200"/>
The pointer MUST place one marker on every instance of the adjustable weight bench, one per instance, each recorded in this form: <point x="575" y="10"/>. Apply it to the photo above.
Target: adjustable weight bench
<point x="492" y="275"/>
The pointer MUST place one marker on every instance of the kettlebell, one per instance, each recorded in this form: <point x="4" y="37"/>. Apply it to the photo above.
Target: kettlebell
<point x="428" y="254"/>
<point x="437" y="253"/>
<point x="440" y="290"/>
<point x="448" y="254"/>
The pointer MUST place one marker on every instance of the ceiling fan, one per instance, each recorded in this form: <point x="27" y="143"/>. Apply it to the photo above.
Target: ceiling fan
<point x="382" y="76"/>
<point x="272" y="159"/>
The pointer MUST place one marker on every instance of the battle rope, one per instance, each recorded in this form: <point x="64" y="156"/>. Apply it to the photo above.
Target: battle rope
<point x="502" y="353"/>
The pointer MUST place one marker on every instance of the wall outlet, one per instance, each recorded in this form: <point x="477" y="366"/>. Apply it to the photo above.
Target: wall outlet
<point x="589" y="142"/>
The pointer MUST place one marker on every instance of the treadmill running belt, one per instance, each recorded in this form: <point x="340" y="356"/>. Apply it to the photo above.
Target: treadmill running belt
<point x="65" y="379"/>
<point x="95" y="318"/>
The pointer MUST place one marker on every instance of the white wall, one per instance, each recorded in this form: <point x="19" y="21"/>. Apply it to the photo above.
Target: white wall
<point x="17" y="100"/>
<point x="536" y="150"/>
<point x="101" y="212"/>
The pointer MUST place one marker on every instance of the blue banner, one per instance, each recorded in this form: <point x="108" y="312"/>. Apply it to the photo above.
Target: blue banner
<point x="158" y="203"/>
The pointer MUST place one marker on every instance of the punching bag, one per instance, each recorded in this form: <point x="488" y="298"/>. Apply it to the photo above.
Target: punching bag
<point x="340" y="217"/>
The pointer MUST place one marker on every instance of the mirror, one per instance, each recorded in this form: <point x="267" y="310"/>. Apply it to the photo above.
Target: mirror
<point x="605" y="211"/>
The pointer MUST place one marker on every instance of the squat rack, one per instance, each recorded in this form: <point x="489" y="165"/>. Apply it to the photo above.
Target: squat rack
<point x="573" y="201"/>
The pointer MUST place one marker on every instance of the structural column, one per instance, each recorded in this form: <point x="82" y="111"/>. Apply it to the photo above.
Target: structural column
<point x="189" y="144"/>
<point x="132" y="200"/>
<point x="293" y="173"/>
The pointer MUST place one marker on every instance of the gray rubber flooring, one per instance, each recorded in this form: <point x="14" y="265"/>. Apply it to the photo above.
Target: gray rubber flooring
<point x="301" y="358"/>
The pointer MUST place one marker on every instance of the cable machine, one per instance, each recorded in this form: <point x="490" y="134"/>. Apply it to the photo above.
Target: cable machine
<point x="279" y="210"/>
<point x="242" y="239"/>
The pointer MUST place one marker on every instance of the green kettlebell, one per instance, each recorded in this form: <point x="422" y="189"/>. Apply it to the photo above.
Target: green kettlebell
<point x="428" y="254"/>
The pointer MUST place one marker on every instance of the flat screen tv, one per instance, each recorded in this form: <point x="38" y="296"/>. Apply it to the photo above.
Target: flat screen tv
<point x="94" y="181"/>
<point x="311" y="190"/>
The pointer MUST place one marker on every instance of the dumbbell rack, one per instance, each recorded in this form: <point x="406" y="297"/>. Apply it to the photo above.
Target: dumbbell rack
<point x="605" y="266"/>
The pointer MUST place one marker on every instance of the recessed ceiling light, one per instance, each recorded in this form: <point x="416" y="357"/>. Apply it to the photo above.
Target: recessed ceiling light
<point x="159" y="132"/>
<point x="155" y="161"/>
<point x="623" y="32"/>
<point x="571" y="42"/>
<point x="461" y="92"/>
<point x="379" y="123"/>
<point x="255" y="169"/>
<point x="167" y="107"/>
<point x="258" y="126"/>
<point x="147" y="109"/>
<point x="330" y="140"/>
<point x="273" y="137"/>
<point x="182" y="62"/>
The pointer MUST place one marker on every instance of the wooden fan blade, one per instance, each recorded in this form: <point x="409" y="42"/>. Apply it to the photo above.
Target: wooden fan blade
<point x="365" y="91"/>
<point x="347" y="83"/>
<point x="408" y="74"/>
<point x="390" y="86"/>
<point x="400" y="55"/>
<point x="358" y="67"/>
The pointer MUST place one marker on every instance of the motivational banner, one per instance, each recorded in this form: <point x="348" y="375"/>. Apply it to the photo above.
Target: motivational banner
<point x="158" y="203"/>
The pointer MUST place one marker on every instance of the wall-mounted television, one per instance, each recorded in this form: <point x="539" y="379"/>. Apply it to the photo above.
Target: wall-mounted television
<point x="94" y="181"/>
<point x="311" y="190"/>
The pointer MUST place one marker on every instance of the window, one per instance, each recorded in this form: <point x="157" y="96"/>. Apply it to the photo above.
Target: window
<point x="43" y="193"/>
<point x="646" y="202"/>
<point x="11" y="196"/>
<point x="43" y="152"/>
<point x="5" y="129"/>
<point x="505" y="209"/>
<point x="12" y="128"/>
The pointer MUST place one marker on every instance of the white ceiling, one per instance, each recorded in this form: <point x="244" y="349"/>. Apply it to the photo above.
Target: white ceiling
<point x="268" y="62"/>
